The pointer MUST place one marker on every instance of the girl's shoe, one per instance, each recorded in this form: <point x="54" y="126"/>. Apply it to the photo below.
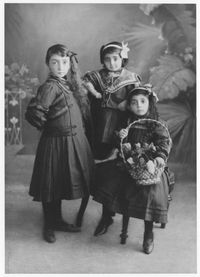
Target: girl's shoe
<point x="103" y="225"/>
<point x="148" y="243"/>
<point x="48" y="235"/>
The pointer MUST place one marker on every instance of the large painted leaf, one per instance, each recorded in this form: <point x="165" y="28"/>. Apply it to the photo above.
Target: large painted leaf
<point x="13" y="32"/>
<point x="171" y="77"/>
<point x="148" y="8"/>
<point x="180" y="32"/>
<point x="178" y="24"/>
<point x="182" y="127"/>
<point x="147" y="44"/>
<point x="185" y="23"/>
<point x="142" y="33"/>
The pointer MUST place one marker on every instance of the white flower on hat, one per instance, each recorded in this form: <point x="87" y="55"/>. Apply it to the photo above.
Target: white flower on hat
<point x="125" y="49"/>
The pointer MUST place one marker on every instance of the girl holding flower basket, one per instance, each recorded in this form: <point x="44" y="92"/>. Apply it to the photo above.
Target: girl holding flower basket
<point x="142" y="188"/>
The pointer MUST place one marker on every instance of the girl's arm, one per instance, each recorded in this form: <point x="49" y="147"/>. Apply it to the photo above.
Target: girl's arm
<point x="89" y="86"/>
<point x="163" y="144"/>
<point x="38" y="107"/>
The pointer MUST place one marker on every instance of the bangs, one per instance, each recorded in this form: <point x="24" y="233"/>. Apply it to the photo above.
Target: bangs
<point x="57" y="49"/>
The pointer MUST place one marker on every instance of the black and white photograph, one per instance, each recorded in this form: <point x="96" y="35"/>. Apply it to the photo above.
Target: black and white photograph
<point x="99" y="137"/>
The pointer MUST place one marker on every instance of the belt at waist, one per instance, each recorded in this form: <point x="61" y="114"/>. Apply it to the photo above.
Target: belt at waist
<point x="54" y="132"/>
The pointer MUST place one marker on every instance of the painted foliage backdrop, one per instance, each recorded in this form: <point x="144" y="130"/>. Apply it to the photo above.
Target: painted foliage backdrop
<point x="163" y="50"/>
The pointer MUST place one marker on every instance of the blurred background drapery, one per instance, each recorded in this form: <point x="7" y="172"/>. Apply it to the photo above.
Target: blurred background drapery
<point x="162" y="42"/>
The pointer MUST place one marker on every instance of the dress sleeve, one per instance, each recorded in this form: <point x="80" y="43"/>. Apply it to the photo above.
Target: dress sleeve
<point x="90" y="77"/>
<point x="162" y="141"/>
<point x="38" y="107"/>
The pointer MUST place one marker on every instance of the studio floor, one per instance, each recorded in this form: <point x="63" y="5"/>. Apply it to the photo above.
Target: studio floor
<point x="26" y="252"/>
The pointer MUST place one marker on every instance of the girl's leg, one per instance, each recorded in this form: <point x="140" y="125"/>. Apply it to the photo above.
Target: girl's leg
<point x="105" y="221"/>
<point x="59" y="223"/>
<point x="148" y="243"/>
<point x="81" y="211"/>
<point x="124" y="233"/>
<point x="163" y="225"/>
<point x="48" y="230"/>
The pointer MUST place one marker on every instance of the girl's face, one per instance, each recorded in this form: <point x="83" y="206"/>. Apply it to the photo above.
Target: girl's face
<point x="58" y="65"/>
<point x="139" y="104"/>
<point x="112" y="61"/>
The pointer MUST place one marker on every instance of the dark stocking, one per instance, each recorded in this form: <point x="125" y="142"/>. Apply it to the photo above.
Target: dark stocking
<point x="148" y="227"/>
<point x="106" y="213"/>
<point x="49" y="214"/>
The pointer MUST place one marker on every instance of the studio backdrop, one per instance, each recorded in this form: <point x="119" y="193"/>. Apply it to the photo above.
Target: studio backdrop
<point x="162" y="46"/>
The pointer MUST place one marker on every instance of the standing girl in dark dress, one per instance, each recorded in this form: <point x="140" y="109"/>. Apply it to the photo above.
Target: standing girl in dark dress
<point x="108" y="89"/>
<point x="123" y="194"/>
<point x="63" y="165"/>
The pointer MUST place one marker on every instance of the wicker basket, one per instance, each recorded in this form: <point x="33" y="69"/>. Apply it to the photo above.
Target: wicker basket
<point x="140" y="173"/>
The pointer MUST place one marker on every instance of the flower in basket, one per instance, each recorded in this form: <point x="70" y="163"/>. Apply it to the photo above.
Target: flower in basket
<point x="140" y="156"/>
<point x="151" y="166"/>
<point x="138" y="148"/>
<point x="126" y="148"/>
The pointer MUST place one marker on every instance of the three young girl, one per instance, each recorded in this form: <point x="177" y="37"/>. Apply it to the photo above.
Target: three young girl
<point x="64" y="164"/>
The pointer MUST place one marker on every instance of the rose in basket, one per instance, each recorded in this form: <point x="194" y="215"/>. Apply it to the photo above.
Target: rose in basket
<point x="140" y="163"/>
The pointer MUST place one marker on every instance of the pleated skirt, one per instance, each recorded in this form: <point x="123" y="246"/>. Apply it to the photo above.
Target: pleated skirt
<point x="63" y="168"/>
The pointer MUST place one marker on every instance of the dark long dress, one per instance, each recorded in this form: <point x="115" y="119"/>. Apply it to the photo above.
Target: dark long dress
<point x="64" y="166"/>
<point x="118" y="191"/>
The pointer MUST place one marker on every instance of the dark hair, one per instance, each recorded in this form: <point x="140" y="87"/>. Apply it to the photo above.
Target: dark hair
<point x="153" y="113"/>
<point x="58" y="49"/>
<point x="110" y="50"/>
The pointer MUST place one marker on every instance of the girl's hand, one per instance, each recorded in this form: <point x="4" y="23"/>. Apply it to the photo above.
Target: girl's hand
<point x="98" y="95"/>
<point x="123" y="133"/>
<point x="160" y="161"/>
